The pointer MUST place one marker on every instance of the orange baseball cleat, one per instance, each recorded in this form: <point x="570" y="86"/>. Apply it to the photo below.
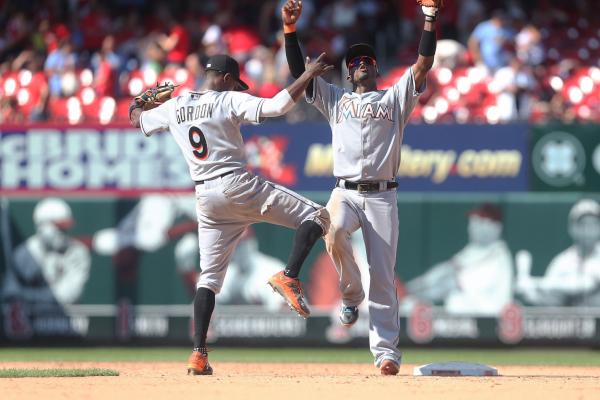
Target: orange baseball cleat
<point x="198" y="364"/>
<point x="389" y="367"/>
<point x="291" y="290"/>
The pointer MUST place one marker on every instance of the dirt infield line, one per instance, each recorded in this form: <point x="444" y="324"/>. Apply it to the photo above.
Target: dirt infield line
<point x="300" y="381"/>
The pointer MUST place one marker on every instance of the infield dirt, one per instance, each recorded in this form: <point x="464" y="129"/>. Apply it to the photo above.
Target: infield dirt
<point x="299" y="381"/>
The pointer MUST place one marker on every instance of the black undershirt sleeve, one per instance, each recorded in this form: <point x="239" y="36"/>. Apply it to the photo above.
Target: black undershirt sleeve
<point x="295" y="60"/>
<point x="428" y="44"/>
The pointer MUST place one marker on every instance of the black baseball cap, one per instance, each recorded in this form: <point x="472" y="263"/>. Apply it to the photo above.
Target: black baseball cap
<point x="226" y="64"/>
<point x="358" y="50"/>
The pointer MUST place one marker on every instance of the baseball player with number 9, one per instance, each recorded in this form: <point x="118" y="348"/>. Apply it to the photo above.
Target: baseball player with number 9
<point x="367" y="127"/>
<point x="206" y="126"/>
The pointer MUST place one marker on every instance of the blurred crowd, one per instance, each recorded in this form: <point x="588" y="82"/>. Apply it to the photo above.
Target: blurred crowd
<point x="497" y="61"/>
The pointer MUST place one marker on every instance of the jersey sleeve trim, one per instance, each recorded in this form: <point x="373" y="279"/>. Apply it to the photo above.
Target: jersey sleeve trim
<point x="257" y="117"/>
<point x="417" y="91"/>
<point x="142" y="125"/>
<point x="311" y="99"/>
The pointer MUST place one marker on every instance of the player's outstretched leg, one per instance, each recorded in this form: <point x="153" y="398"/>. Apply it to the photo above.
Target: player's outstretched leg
<point x="204" y="304"/>
<point x="286" y="282"/>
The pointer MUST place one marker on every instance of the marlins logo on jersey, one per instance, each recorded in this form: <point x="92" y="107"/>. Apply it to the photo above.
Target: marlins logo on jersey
<point x="351" y="107"/>
<point x="366" y="128"/>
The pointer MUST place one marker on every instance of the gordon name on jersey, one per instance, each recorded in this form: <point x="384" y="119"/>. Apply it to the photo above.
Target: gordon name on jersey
<point x="191" y="113"/>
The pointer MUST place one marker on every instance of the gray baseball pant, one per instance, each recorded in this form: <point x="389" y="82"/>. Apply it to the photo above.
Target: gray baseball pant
<point x="225" y="206"/>
<point x="377" y="215"/>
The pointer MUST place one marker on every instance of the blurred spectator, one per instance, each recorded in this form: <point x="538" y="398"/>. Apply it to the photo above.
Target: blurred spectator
<point x="560" y="110"/>
<point x="15" y="36"/>
<point x="36" y="88"/>
<point x="59" y="64"/>
<point x="130" y="45"/>
<point x="529" y="46"/>
<point x="471" y="13"/>
<point x="515" y="84"/>
<point x="42" y="38"/>
<point x="213" y="41"/>
<point x="196" y="71"/>
<point x="449" y="54"/>
<point x="241" y="39"/>
<point x="491" y="41"/>
<point x="105" y="64"/>
<point x="344" y="14"/>
<point x="177" y="43"/>
<point x="10" y="112"/>
<point x="94" y="24"/>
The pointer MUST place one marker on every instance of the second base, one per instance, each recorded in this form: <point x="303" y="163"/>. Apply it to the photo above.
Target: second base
<point x="455" y="368"/>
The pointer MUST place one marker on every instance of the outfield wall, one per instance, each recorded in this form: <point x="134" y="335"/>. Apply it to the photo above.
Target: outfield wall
<point x="125" y="269"/>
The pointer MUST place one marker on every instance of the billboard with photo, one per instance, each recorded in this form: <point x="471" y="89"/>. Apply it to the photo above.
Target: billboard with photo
<point x="512" y="268"/>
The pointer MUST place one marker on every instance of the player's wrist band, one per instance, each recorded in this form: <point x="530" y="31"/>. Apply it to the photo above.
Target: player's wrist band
<point x="289" y="28"/>
<point x="431" y="13"/>
<point x="428" y="44"/>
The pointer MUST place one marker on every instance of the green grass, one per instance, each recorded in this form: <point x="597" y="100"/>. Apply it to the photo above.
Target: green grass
<point x="547" y="356"/>
<point x="55" y="372"/>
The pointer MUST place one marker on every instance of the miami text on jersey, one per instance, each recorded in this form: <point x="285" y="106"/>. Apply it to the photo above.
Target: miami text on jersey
<point x="353" y="109"/>
<point x="191" y="113"/>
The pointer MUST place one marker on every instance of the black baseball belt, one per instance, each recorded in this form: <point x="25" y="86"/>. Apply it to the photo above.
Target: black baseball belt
<point x="366" y="186"/>
<point x="218" y="176"/>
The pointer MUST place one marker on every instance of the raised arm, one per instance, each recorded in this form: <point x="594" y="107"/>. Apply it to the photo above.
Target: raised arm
<point x="285" y="100"/>
<point x="290" y="12"/>
<point x="474" y="49"/>
<point x="428" y="41"/>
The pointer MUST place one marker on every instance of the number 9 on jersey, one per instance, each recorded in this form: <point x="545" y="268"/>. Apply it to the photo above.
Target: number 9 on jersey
<point x="198" y="142"/>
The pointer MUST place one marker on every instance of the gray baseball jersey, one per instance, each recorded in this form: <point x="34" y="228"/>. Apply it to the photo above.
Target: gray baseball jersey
<point x="206" y="126"/>
<point x="367" y="128"/>
<point x="367" y="131"/>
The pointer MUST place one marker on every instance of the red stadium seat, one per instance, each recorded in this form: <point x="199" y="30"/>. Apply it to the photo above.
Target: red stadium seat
<point x="122" y="111"/>
<point x="90" y="110"/>
<point x="107" y="109"/>
<point x="57" y="107"/>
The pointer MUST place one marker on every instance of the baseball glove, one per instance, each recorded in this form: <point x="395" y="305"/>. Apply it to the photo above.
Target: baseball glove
<point x="431" y="3"/>
<point x="155" y="96"/>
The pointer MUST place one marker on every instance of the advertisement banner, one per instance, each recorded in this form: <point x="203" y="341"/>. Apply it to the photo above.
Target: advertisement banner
<point x="100" y="160"/>
<point x="504" y="269"/>
<point x="565" y="158"/>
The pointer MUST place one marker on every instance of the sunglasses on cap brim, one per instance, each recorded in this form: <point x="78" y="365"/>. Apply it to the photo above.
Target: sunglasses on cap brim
<point x="355" y="62"/>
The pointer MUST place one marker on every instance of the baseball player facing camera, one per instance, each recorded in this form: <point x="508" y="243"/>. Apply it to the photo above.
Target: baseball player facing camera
<point x="367" y="126"/>
<point x="206" y="126"/>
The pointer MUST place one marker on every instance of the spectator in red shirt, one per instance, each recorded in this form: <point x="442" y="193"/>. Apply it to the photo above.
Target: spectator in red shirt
<point x="241" y="39"/>
<point x="38" y="90"/>
<point x="106" y="63"/>
<point x="177" y="43"/>
<point x="94" y="23"/>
